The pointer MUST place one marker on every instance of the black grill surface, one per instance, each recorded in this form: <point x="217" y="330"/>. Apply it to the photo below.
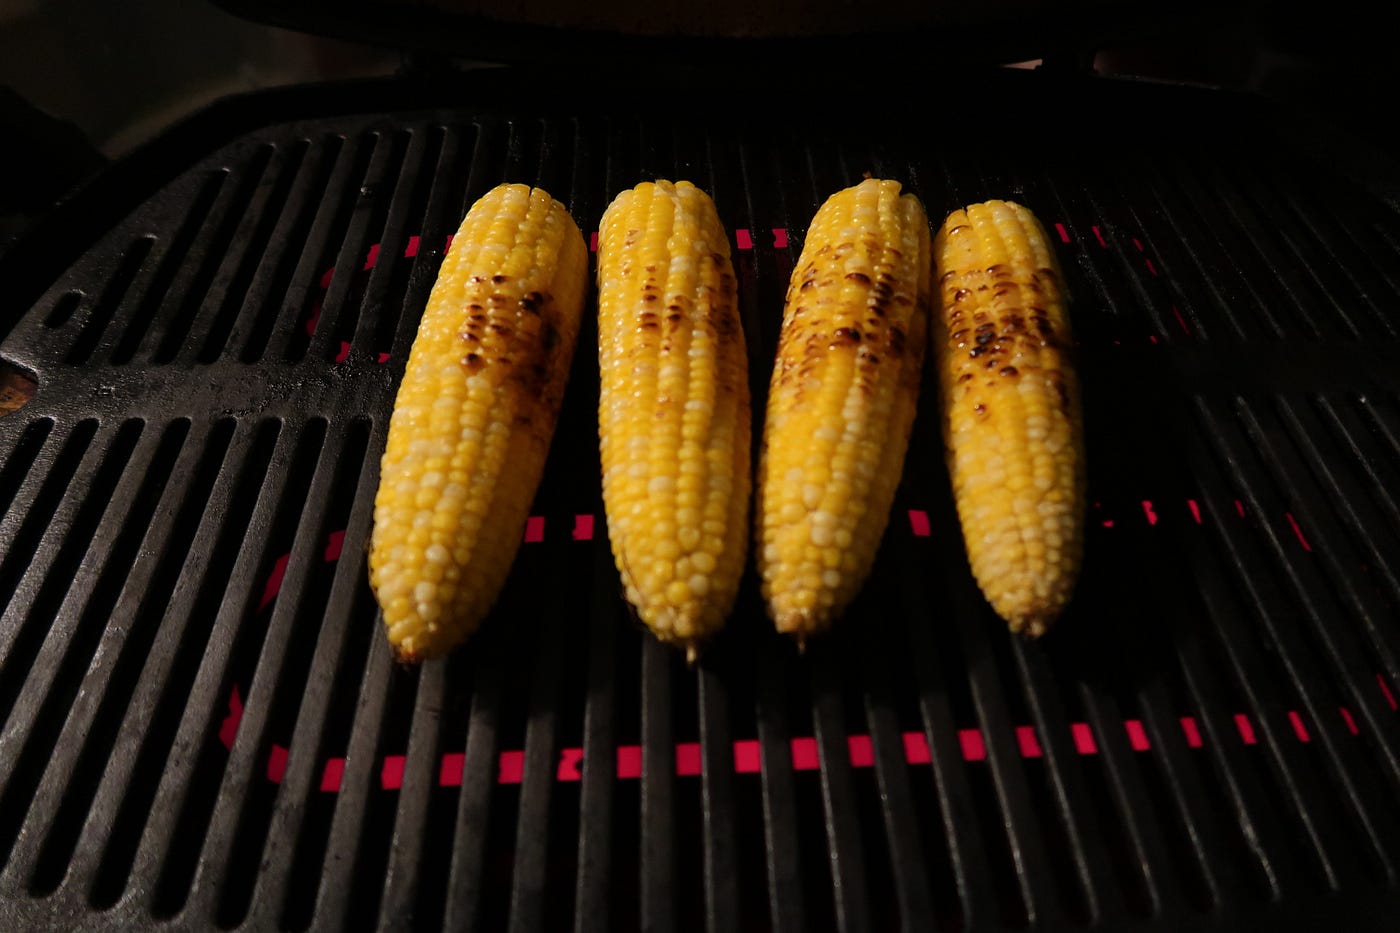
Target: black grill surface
<point x="202" y="726"/>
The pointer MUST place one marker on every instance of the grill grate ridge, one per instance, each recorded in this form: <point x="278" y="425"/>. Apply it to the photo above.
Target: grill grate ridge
<point x="119" y="288"/>
<point x="176" y="248"/>
<point x="21" y="452"/>
<point x="268" y="209"/>
<point x="231" y="211"/>
<point x="103" y="857"/>
<point x="39" y="513"/>
<point x="299" y="520"/>
<point x="86" y="659"/>
<point x="53" y="565"/>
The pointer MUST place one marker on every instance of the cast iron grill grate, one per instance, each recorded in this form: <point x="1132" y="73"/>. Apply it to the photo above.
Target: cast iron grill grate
<point x="200" y="724"/>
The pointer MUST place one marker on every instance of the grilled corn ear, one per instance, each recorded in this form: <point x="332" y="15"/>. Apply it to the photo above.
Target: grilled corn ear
<point x="673" y="413"/>
<point x="1012" y="422"/>
<point x="474" y="416"/>
<point x="841" y="401"/>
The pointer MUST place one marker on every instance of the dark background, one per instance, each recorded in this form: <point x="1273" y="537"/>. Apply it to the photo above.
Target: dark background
<point x="83" y="82"/>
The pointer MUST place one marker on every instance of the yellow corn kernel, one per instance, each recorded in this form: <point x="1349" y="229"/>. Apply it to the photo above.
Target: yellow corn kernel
<point x="673" y="413"/>
<point x="473" y="418"/>
<point x="1011" y="411"/>
<point x="841" y="401"/>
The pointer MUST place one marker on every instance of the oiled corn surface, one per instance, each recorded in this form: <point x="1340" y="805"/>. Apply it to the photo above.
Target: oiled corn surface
<point x="474" y="416"/>
<point x="841" y="401"/>
<point x="673" y="414"/>
<point x="1012" y="421"/>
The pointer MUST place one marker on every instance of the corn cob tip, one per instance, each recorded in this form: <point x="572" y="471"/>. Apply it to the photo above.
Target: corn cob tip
<point x="799" y="623"/>
<point x="430" y="643"/>
<point x="1032" y="625"/>
<point x="692" y="654"/>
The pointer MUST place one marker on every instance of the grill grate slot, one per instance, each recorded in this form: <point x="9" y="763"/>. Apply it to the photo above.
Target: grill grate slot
<point x="1361" y="244"/>
<point x="902" y="858"/>
<point x="353" y="815"/>
<point x="41" y="512"/>
<point x="51" y="569"/>
<point x="1240" y="798"/>
<point x="181" y="814"/>
<point x="268" y="300"/>
<point x="106" y="851"/>
<point x="1316" y="838"/>
<point x="86" y="744"/>
<point x="467" y="873"/>
<point x="1313" y="593"/>
<point x="63" y="309"/>
<point x="406" y="854"/>
<point x="1334" y="244"/>
<point x="721" y="869"/>
<point x="1370" y="507"/>
<point x="292" y="337"/>
<point x="88" y="644"/>
<point x="1140" y="269"/>
<point x="591" y="901"/>
<point x="334" y="318"/>
<point x="1218" y="299"/>
<point x="19" y="459"/>
<point x="389" y="279"/>
<point x="533" y="828"/>
<point x="440" y="219"/>
<point x="194" y="868"/>
<point x="1351" y="503"/>
<point x="232" y="211"/>
<point x="1332" y="282"/>
<point x="951" y="783"/>
<point x="1145" y="874"/>
<point x="1249" y="292"/>
<point x="1187" y="854"/>
<point x="1071" y="828"/>
<point x="173" y="265"/>
<point x="118" y="289"/>
<point x="852" y="899"/>
<point x="268" y="210"/>
<point x="1121" y="657"/>
<point x="286" y="654"/>
<point x="325" y="687"/>
<point x="657" y="850"/>
<point x="291" y="864"/>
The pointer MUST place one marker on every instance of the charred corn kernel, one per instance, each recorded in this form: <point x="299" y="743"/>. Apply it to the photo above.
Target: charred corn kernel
<point x="1011" y="412"/>
<point x="474" y="416"/>
<point x="673" y="413"/>
<point x="841" y="401"/>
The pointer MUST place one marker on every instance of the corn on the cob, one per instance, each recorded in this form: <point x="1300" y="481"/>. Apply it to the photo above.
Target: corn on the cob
<point x="841" y="401"/>
<point x="474" y="416"/>
<point x="673" y="414"/>
<point x="1012" y="422"/>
